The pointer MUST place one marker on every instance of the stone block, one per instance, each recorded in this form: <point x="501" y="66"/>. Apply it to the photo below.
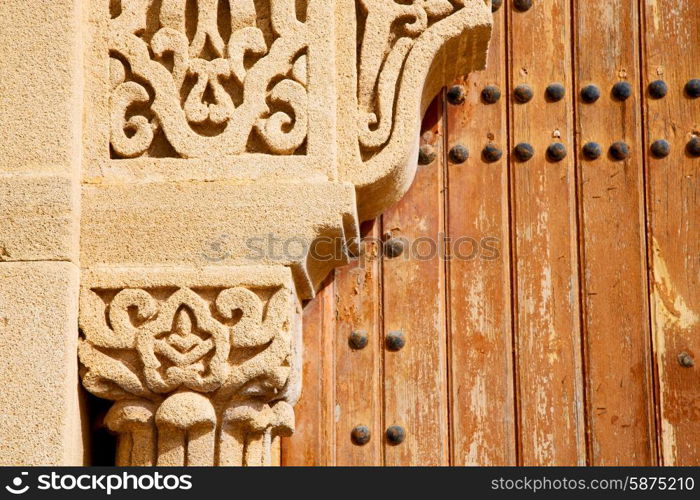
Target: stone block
<point x="41" y="423"/>
<point x="38" y="218"/>
<point x="41" y="86"/>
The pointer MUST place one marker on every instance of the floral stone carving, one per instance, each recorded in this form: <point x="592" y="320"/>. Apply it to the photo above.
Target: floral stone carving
<point x="199" y="368"/>
<point x="212" y="123"/>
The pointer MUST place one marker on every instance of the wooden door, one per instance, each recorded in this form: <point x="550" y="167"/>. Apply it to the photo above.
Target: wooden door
<point x="550" y="307"/>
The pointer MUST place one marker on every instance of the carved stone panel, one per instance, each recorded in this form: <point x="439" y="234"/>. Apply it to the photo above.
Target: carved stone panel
<point x="245" y="81"/>
<point x="202" y="365"/>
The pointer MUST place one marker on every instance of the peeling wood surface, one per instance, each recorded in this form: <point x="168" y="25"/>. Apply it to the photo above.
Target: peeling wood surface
<point x="479" y="297"/>
<point x="415" y="378"/>
<point x="543" y="208"/>
<point x="672" y="38"/>
<point x="613" y="245"/>
<point x="563" y="349"/>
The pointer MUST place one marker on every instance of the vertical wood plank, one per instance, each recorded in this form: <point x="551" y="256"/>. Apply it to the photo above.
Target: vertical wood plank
<point x="358" y="379"/>
<point x="616" y="326"/>
<point x="672" y="38"/>
<point x="482" y="404"/>
<point x="415" y="378"/>
<point x="313" y="440"/>
<point x="551" y="417"/>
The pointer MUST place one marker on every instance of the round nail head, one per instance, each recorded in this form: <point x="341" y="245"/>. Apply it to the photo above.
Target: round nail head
<point x="523" y="93"/>
<point x="622" y="91"/>
<point x="459" y="154"/>
<point x="692" y="88"/>
<point x="360" y="435"/>
<point x="658" y="89"/>
<point x="492" y="153"/>
<point x="523" y="151"/>
<point x="456" y="95"/>
<point x="393" y="247"/>
<point x="522" y="5"/>
<point x="660" y="148"/>
<point x="490" y="94"/>
<point x="686" y="360"/>
<point x="395" y="340"/>
<point x="592" y="150"/>
<point x="426" y="154"/>
<point x="590" y="94"/>
<point x="556" y="151"/>
<point x="495" y="5"/>
<point x="693" y="147"/>
<point x="619" y="151"/>
<point x="358" y="339"/>
<point x="395" y="435"/>
<point x="555" y="92"/>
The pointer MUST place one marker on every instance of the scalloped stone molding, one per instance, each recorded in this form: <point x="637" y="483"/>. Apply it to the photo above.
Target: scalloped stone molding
<point x="213" y="161"/>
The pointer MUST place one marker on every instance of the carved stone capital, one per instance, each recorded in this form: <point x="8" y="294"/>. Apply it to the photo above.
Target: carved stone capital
<point x="203" y="365"/>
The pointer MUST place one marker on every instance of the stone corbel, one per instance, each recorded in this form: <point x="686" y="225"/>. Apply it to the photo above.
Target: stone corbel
<point x="202" y="150"/>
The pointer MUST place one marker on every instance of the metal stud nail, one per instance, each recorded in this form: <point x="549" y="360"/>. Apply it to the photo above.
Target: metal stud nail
<point x="358" y="339"/>
<point x="692" y="88"/>
<point x="693" y="147"/>
<point x="523" y="151"/>
<point x="426" y="154"/>
<point x="522" y="5"/>
<point x="622" y="91"/>
<point x="360" y="435"/>
<point x="395" y="340"/>
<point x="592" y="150"/>
<point x="459" y="154"/>
<point x="395" y="435"/>
<point x="491" y="94"/>
<point x="495" y="5"/>
<point x="658" y="89"/>
<point x="660" y="148"/>
<point x="590" y="94"/>
<point x="556" y="151"/>
<point x="393" y="247"/>
<point x="491" y="153"/>
<point x="555" y="92"/>
<point x="619" y="151"/>
<point x="523" y="93"/>
<point x="456" y="94"/>
<point x="686" y="360"/>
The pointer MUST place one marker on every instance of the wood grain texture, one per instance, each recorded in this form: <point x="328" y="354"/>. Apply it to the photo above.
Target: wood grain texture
<point x="313" y="442"/>
<point x="614" y="288"/>
<point x="358" y="384"/>
<point x="548" y="342"/>
<point x="415" y="378"/>
<point x="564" y="349"/>
<point x="671" y="41"/>
<point x="482" y="404"/>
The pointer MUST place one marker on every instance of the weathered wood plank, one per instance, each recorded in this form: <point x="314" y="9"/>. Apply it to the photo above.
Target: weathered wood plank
<point x="415" y="379"/>
<point x="672" y="38"/>
<point x="358" y="384"/>
<point x="614" y="288"/>
<point x="313" y="442"/>
<point x="482" y="404"/>
<point x="548" y="343"/>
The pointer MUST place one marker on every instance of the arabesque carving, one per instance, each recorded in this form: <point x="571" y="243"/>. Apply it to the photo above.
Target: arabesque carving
<point x="198" y="373"/>
<point x="207" y="77"/>
<point x="387" y="31"/>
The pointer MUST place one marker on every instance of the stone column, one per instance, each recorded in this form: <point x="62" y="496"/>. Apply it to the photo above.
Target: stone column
<point x="40" y="111"/>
